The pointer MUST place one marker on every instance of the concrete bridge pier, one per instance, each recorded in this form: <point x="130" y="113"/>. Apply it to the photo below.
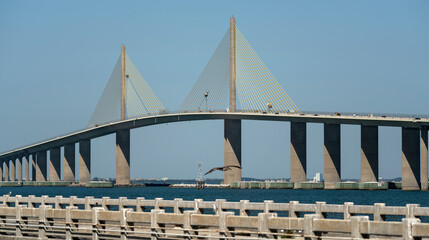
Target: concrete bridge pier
<point x="332" y="155"/>
<point x="54" y="167"/>
<point x="19" y="166"/>
<point x="84" y="161"/>
<point x="26" y="168"/>
<point x="424" y="158"/>
<point x="12" y="169"/>
<point x="369" y="154"/>
<point x="41" y="166"/>
<point x="232" y="150"/>
<point x="69" y="162"/>
<point x="123" y="156"/>
<point x="6" y="171"/>
<point x="410" y="158"/>
<point x="298" y="152"/>
<point x="1" y="170"/>
<point x="33" y="167"/>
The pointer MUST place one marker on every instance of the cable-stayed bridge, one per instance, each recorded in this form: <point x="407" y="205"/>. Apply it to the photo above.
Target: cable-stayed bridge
<point x="235" y="85"/>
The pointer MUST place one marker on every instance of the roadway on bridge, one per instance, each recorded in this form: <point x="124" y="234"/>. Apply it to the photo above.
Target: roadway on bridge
<point x="109" y="128"/>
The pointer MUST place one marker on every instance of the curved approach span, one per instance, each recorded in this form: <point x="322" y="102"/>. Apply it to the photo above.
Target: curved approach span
<point x="106" y="129"/>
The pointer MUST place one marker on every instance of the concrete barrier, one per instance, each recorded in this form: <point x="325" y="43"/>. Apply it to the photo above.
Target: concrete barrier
<point x="310" y="185"/>
<point x="10" y="184"/>
<point x="80" y="218"/>
<point x="99" y="184"/>
<point x="261" y="185"/>
<point x="361" y="186"/>
<point x="47" y="184"/>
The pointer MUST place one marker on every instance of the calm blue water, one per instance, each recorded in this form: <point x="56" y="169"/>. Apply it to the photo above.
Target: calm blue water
<point x="361" y="197"/>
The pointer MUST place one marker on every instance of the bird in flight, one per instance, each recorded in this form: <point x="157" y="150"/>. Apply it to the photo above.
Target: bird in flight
<point x="224" y="168"/>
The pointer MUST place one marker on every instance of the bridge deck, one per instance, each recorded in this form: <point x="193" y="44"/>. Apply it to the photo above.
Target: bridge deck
<point x="109" y="128"/>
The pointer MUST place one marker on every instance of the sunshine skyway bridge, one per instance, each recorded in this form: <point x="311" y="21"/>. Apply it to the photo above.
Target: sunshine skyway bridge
<point x="235" y="85"/>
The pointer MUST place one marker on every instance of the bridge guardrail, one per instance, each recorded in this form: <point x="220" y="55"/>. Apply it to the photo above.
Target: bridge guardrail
<point x="378" y="211"/>
<point x="72" y="217"/>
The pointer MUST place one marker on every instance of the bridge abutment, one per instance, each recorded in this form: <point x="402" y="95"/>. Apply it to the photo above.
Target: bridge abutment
<point x="332" y="155"/>
<point x="424" y="158"/>
<point x="84" y="161"/>
<point x="69" y="162"/>
<point x="123" y="156"/>
<point x="410" y="158"/>
<point x="232" y="149"/>
<point x="54" y="167"/>
<point x="41" y="171"/>
<point x="298" y="152"/>
<point x="369" y="153"/>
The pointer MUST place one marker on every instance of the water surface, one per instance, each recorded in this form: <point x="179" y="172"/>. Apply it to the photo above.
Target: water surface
<point x="361" y="197"/>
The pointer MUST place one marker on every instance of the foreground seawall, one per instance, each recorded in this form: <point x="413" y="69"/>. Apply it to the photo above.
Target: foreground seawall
<point x="104" y="218"/>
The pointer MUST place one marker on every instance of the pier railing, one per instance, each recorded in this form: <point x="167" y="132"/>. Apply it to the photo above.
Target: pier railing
<point x="96" y="218"/>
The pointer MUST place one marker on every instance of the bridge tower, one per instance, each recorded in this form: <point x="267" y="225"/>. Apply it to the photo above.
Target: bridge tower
<point x="126" y="95"/>
<point x="123" y="86"/>
<point x="123" y="135"/>
<point x="232" y="127"/>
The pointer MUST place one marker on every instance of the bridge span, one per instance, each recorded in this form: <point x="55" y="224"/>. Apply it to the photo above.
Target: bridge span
<point x="414" y="146"/>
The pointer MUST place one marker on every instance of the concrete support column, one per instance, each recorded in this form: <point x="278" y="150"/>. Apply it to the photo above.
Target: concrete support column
<point x="33" y="167"/>
<point x="407" y="228"/>
<point x="410" y="159"/>
<point x="123" y="156"/>
<point x="84" y="161"/>
<point x="1" y="170"/>
<point x="69" y="163"/>
<point x="27" y="167"/>
<point x="424" y="158"/>
<point x="232" y="150"/>
<point x="298" y="152"/>
<point x="41" y="166"/>
<point x="6" y="171"/>
<point x="332" y="155"/>
<point x="12" y="169"/>
<point x="55" y="165"/>
<point x="19" y="163"/>
<point x="369" y="154"/>
<point x="355" y="223"/>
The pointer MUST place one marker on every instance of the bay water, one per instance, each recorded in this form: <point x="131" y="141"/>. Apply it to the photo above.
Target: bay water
<point x="359" y="197"/>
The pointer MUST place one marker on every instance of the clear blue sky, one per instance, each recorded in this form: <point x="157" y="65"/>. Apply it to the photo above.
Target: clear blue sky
<point x="345" y="56"/>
